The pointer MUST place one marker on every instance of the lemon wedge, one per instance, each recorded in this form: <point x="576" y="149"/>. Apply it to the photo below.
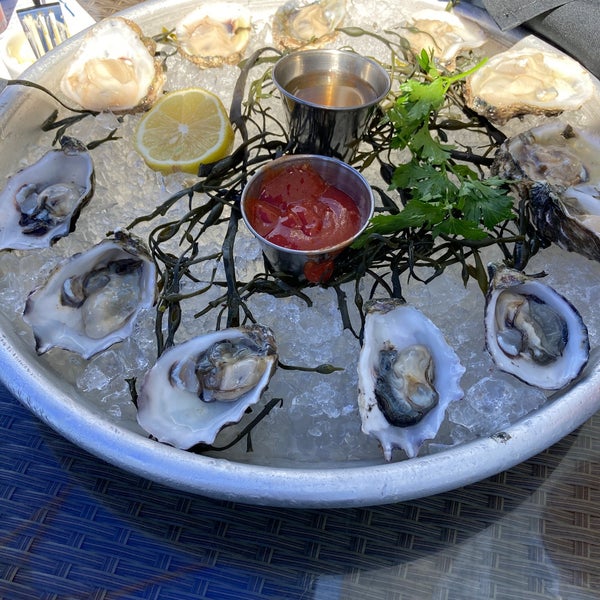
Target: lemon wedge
<point x="183" y="130"/>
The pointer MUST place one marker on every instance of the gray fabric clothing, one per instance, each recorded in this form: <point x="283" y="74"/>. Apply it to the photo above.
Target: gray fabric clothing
<point x="511" y="13"/>
<point x="573" y="26"/>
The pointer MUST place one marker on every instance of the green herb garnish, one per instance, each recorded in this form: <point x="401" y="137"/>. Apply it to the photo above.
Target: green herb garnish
<point x="445" y="197"/>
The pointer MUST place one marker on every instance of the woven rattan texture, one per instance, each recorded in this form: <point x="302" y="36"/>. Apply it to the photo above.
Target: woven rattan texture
<point x="73" y="527"/>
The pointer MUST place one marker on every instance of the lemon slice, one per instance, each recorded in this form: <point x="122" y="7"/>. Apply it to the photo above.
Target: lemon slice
<point x="183" y="130"/>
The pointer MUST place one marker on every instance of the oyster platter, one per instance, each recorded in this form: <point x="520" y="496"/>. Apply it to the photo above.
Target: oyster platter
<point x="140" y="319"/>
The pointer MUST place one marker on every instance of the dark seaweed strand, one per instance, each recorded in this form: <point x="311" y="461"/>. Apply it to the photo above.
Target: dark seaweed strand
<point x="259" y="145"/>
<point x="244" y="433"/>
<point x="214" y="200"/>
<point x="383" y="259"/>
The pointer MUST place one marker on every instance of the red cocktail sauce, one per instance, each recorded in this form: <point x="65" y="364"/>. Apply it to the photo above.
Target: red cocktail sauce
<point x="299" y="210"/>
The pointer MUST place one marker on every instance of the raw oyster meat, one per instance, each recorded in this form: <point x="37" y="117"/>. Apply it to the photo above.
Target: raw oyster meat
<point x="407" y="374"/>
<point x="41" y="203"/>
<point x="556" y="167"/>
<point x="532" y="331"/>
<point x="444" y="33"/>
<point x="214" y="34"/>
<point x="115" y="69"/>
<point x="91" y="300"/>
<point x="527" y="80"/>
<point x="199" y="386"/>
<point x="555" y="152"/>
<point x="307" y="23"/>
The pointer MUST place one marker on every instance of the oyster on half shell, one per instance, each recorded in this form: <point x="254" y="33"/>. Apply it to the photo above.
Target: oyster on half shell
<point x="532" y="331"/>
<point x="556" y="168"/>
<point x="214" y="34"/>
<point x="444" y="33"/>
<point x="407" y="376"/>
<point x="91" y="300"/>
<point x="41" y="203"/>
<point x="307" y="23"/>
<point x="199" y="386"/>
<point x="527" y="80"/>
<point x="115" y="69"/>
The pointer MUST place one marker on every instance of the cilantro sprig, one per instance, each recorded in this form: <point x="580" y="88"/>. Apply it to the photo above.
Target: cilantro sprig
<point x="445" y="197"/>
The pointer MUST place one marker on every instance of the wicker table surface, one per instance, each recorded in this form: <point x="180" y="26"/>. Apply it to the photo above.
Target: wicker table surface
<point x="73" y="527"/>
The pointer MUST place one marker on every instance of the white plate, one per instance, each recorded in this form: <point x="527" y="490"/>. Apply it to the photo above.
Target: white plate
<point x="358" y="483"/>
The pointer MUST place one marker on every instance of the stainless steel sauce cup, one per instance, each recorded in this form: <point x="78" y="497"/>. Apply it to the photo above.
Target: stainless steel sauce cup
<point x="315" y="266"/>
<point x="329" y="97"/>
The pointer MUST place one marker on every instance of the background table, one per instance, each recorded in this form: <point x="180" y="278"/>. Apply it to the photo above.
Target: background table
<point x="75" y="528"/>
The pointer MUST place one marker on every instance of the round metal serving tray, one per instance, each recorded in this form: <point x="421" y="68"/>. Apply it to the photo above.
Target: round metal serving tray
<point x="60" y="405"/>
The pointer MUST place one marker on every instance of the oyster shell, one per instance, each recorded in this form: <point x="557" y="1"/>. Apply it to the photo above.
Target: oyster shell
<point x="444" y="33"/>
<point x="527" y="80"/>
<point x="41" y="203"/>
<point x="532" y="331"/>
<point x="554" y="152"/>
<point x="91" y="300"/>
<point x="407" y="374"/>
<point x="198" y="387"/>
<point x="114" y="69"/>
<point x="214" y="34"/>
<point x="557" y="220"/>
<point x="307" y="23"/>
<point x="557" y="167"/>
